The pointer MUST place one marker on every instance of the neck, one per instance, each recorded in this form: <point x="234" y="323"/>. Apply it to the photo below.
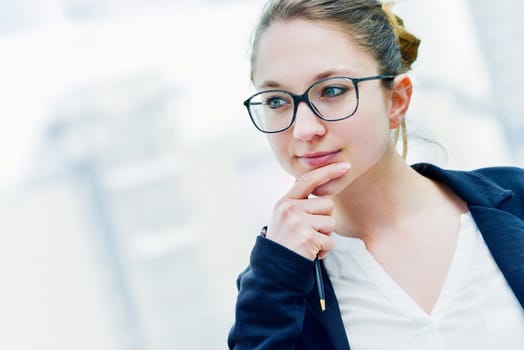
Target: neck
<point x="380" y="200"/>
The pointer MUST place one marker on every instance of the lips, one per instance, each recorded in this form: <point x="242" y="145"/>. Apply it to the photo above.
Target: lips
<point x="318" y="159"/>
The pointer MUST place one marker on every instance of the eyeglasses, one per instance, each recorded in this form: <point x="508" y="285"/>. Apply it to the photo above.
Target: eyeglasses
<point x="331" y="99"/>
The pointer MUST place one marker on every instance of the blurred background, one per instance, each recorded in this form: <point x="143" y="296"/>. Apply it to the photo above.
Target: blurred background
<point x="132" y="184"/>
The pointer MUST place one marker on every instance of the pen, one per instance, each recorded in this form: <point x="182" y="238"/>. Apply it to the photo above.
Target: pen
<point x="320" y="285"/>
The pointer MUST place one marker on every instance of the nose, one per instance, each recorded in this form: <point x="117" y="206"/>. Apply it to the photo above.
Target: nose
<point x="307" y="125"/>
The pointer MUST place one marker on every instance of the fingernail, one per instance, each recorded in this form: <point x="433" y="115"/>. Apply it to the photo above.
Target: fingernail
<point x="343" y="166"/>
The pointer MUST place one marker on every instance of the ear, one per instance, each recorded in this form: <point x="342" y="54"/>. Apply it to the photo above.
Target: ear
<point x="400" y="99"/>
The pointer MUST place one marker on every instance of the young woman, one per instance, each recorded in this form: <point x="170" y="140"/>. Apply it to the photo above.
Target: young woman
<point x="411" y="257"/>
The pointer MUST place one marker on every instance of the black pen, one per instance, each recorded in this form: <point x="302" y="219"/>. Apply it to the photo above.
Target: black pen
<point x="320" y="284"/>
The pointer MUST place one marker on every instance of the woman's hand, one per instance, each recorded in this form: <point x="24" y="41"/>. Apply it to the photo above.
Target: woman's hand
<point x="304" y="224"/>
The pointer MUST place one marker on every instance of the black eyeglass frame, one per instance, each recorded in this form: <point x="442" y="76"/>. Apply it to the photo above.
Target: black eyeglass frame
<point x="305" y="98"/>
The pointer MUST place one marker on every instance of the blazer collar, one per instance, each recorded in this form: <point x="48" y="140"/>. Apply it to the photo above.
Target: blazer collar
<point x="472" y="187"/>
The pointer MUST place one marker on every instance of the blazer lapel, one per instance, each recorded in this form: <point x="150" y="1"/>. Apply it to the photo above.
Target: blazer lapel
<point x="504" y="236"/>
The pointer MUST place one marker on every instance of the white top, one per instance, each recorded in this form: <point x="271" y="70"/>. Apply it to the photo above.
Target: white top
<point x="476" y="308"/>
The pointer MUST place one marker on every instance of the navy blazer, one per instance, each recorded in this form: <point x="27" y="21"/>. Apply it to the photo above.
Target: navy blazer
<point x="278" y="308"/>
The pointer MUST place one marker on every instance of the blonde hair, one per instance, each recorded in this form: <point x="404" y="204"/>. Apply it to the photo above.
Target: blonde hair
<point x="371" y="23"/>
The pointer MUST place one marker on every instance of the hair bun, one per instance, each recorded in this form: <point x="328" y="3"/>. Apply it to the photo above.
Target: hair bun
<point x="408" y="42"/>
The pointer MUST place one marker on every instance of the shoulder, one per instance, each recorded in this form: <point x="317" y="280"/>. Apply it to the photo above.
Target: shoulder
<point x="507" y="177"/>
<point x="488" y="187"/>
<point x="511" y="179"/>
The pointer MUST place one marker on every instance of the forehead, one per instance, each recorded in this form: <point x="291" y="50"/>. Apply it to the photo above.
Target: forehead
<point x="300" y="50"/>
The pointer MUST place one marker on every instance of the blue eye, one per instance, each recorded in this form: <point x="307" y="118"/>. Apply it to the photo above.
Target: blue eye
<point x="332" y="91"/>
<point x="275" y="102"/>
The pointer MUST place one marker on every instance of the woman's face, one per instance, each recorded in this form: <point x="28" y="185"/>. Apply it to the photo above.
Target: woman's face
<point x="291" y="56"/>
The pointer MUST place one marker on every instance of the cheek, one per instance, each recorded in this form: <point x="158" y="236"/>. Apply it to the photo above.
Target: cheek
<point x="367" y="133"/>
<point x="280" y="146"/>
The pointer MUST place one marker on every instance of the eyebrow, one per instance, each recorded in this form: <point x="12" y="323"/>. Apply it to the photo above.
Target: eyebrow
<point x="343" y="71"/>
<point x="327" y="74"/>
<point x="270" y="84"/>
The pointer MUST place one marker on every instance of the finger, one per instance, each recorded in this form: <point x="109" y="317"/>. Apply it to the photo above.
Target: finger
<point x="322" y="254"/>
<point x="315" y="205"/>
<point x="308" y="182"/>
<point x="325" y="246"/>
<point x="322" y="223"/>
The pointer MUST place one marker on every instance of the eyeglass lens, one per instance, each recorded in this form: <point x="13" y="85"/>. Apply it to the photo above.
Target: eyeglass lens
<point x="332" y="99"/>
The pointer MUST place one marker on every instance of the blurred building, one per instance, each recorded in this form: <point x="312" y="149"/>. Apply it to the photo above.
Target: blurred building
<point x="122" y="182"/>
<point x="500" y="30"/>
<point x="118" y="138"/>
